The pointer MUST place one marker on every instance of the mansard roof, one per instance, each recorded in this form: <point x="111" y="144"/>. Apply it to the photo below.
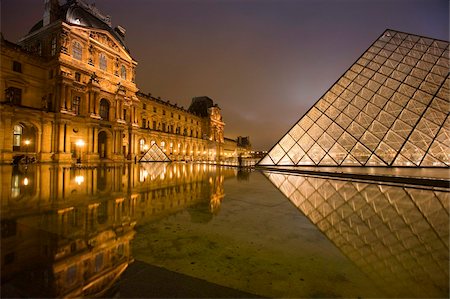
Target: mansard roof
<point x="390" y="108"/>
<point x="78" y="13"/>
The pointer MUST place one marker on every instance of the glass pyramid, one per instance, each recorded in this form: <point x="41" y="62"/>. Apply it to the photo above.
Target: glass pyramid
<point x="390" y="108"/>
<point x="154" y="154"/>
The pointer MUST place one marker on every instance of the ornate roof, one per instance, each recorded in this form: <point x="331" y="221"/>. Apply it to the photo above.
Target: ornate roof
<point x="79" y="13"/>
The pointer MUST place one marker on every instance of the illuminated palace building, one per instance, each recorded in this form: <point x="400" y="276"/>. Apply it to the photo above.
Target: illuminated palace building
<point x="70" y="92"/>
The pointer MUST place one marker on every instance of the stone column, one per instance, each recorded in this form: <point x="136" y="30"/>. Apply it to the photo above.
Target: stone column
<point x="96" y="102"/>
<point x="67" y="97"/>
<point x="60" y="137"/>
<point x="68" y="141"/>
<point x="89" y="141"/>
<point x="95" y="134"/>
<point x="117" y="109"/>
<point x="91" y="101"/>
<point x="86" y="107"/>
<point x="62" y="96"/>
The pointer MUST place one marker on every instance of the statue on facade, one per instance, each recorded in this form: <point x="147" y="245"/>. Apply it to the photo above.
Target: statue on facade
<point x="94" y="78"/>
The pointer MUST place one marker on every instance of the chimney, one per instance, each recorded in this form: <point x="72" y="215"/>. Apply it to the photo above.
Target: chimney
<point x="51" y="8"/>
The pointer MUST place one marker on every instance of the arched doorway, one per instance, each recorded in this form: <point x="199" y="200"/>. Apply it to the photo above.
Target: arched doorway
<point x="102" y="144"/>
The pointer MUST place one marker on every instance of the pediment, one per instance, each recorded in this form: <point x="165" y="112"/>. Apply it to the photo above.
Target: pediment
<point x="105" y="38"/>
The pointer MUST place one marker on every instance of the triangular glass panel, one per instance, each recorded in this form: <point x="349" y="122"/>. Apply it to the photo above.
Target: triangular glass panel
<point x="306" y="161"/>
<point x="430" y="161"/>
<point x="286" y="161"/>
<point x="402" y="161"/>
<point x="361" y="153"/>
<point x="266" y="161"/>
<point x="327" y="161"/>
<point x="375" y="161"/>
<point x="350" y="161"/>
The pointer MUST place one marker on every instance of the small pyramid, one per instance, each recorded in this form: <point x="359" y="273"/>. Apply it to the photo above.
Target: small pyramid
<point x="390" y="108"/>
<point x="154" y="154"/>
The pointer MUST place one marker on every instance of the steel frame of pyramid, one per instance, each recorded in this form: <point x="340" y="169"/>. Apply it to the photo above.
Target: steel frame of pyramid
<point x="154" y="154"/>
<point x="390" y="108"/>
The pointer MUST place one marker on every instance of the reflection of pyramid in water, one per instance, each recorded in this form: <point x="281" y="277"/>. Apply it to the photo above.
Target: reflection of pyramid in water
<point x="391" y="108"/>
<point x="398" y="236"/>
<point x="154" y="154"/>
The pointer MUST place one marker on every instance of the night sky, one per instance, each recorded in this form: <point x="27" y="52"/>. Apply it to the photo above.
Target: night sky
<point x="264" y="62"/>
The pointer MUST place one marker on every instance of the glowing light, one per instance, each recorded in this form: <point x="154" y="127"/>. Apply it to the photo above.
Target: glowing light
<point x="80" y="143"/>
<point x="79" y="179"/>
<point x="27" y="142"/>
<point x="25" y="181"/>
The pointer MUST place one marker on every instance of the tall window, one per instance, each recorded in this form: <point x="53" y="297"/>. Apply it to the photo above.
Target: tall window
<point x="14" y="95"/>
<point x="53" y="46"/>
<point x="144" y="123"/>
<point x="142" y="145"/>
<point x="39" y="48"/>
<point x="123" y="72"/>
<point x="76" y="101"/>
<point x="17" y="66"/>
<point x="102" y="62"/>
<point x="104" y="109"/>
<point x="77" y="51"/>
<point x="17" y="137"/>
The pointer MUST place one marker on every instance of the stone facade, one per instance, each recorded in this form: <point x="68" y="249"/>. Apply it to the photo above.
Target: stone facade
<point x="70" y="94"/>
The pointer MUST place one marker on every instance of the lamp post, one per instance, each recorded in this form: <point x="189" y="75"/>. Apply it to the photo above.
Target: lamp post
<point x="27" y="143"/>
<point x="79" y="144"/>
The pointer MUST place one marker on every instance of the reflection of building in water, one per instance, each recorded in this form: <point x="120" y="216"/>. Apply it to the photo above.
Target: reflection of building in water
<point x="398" y="236"/>
<point x="67" y="231"/>
<point x="168" y="188"/>
<point x="58" y="246"/>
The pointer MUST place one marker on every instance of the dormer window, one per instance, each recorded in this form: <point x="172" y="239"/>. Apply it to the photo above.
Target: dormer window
<point x="53" y="46"/>
<point x="77" y="50"/>
<point x="102" y="62"/>
<point x="123" y="72"/>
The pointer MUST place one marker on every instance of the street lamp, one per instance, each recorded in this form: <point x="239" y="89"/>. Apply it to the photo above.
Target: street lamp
<point x="79" y="144"/>
<point x="27" y="143"/>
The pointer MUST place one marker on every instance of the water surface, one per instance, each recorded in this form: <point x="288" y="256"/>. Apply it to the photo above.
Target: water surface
<point x="71" y="231"/>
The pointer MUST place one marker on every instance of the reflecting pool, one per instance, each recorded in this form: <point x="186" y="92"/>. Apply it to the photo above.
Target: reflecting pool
<point x="92" y="231"/>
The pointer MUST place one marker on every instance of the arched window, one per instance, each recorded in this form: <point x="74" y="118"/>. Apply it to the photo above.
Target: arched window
<point x="17" y="137"/>
<point x="123" y="72"/>
<point x="102" y="62"/>
<point x="77" y="50"/>
<point x="142" y="145"/>
<point x="104" y="109"/>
